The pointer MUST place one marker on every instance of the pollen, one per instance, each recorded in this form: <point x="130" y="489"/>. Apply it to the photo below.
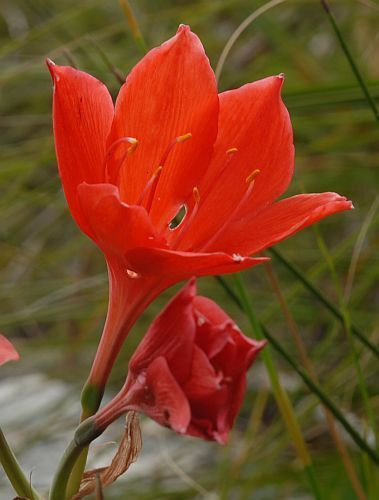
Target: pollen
<point x="122" y="140"/>
<point x="196" y="194"/>
<point x="183" y="138"/>
<point x="158" y="171"/>
<point x="231" y="151"/>
<point x="134" y="143"/>
<point x="252" y="176"/>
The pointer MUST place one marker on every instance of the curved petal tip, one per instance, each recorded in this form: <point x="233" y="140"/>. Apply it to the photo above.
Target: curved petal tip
<point x="51" y="67"/>
<point x="183" y="28"/>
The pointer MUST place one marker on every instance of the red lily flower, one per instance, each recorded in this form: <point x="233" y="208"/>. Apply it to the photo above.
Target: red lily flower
<point x="189" y="371"/>
<point x="7" y="351"/>
<point x="172" y="144"/>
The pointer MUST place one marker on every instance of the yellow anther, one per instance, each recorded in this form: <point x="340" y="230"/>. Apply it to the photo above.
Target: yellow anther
<point x="231" y="151"/>
<point x="196" y="194"/>
<point x="122" y="140"/>
<point x="252" y="176"/>
<point x="184" y="137"/>
<point x="134" y="144"/>
<point x="157" y="171"/>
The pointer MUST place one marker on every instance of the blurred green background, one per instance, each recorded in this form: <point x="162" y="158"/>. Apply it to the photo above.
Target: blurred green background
<point x="53" y="285"/>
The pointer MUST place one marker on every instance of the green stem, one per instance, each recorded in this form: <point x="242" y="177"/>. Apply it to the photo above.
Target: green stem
<point x="14" y="472"/>
<point x="59" y="484"/>
<point x="73" y="484"/>
<point x="281" y="396"/>
<point x="84" y="435"/>
<point x="350" y="59"/>
<point x="326" y="302"/>
<point x="314" y="387"/>
<point x="91" y="399"/>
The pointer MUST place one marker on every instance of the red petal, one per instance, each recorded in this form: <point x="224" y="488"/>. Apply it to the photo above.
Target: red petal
<point x="206" y="428"/>
<point x="171" y="335"/>
<point x="212" y="326"/>
<point x="83" y="113"/>
<point x="171" y="92"/>
<point x="170" y="405"/>
<point x="7" y="351"/>
<point x="210" y="310"/>
<point x="252" y="234"/>
<point x="115" y="226"/>
<point x="254" y="120"/>
<point x="204" y="382"/>
<point x="176" y="266"/>
<point x="238" y="355"/>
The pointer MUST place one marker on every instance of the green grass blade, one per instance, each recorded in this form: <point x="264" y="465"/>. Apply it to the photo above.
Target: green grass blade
<point x="281" y="396"/>
<point x="315" y="388"/>
<point x="324" y="300"/>
<point x="349" y="57"/>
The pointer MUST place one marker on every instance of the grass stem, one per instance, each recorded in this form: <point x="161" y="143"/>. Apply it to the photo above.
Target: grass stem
<point x="134" y="27"/>
<point x="349" y="57"/>
<point x="281" y="396"/>
<point x="333" y="430"/>
<point x="315" y="388"/>
<point x="324" y="300"/>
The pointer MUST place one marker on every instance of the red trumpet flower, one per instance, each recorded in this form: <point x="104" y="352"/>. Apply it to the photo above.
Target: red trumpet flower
<point x="189" y="371"/>
<point x="175" y="180"/>
<point x="7" y="351"/>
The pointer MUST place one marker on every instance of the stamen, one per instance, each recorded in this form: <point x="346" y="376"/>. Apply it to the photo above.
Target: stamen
<point x="250" y="179"/>
<point x="152" y="184"/>
<point x="179" y="139"/>
<point x="231" y="151"/>
<point x="252" y="176"/>
<point x="183" y="138"/>
<point x="131" y="140"/>
<point x="150" y="189"/>
<point x="196" y="194"/>
<point x="230" y="154"/>
<point x="183" y="228"/>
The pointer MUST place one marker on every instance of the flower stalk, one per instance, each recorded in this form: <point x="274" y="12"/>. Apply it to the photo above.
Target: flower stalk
<point x="84" y="435"/>
<point x="12" y="468"/>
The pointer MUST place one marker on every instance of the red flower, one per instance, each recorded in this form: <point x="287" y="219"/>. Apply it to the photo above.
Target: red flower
<point x="7" y="351"/>
<point x="189" y="371"/>
<point x="172" y="144"/>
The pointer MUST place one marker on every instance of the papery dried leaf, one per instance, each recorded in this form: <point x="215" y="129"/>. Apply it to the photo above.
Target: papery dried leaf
<point x="126" y="454"/>
<point x="99" y="488"/>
